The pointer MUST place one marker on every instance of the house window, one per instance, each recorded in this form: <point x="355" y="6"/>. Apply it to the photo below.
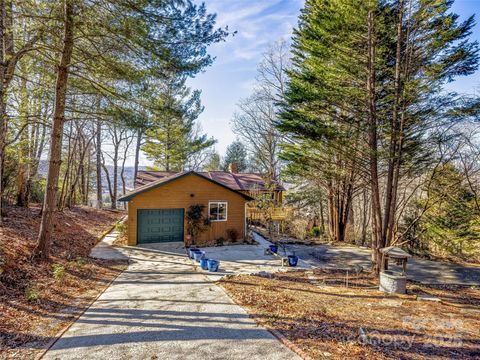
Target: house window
<point x="217" y="210"/>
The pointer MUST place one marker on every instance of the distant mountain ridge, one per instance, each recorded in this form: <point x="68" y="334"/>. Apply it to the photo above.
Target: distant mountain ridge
<point x="128" y="174"/>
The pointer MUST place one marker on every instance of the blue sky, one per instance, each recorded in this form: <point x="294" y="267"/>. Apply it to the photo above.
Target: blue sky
<point x="259" y="23"/>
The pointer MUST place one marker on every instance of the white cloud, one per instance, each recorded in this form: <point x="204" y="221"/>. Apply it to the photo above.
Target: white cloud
<point x="258" y="23"/>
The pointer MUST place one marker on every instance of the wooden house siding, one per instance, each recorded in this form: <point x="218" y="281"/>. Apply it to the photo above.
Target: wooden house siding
<point x="184" y="192"/>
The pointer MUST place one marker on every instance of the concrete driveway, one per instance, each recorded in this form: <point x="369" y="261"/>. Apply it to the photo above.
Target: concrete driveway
<point x="159" y="308"/>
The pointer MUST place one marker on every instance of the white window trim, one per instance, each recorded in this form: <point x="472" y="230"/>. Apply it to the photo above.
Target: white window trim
<point x="218" y="202"/>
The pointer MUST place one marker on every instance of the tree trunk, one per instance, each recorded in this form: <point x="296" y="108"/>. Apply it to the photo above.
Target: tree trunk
<point x="66" y="177"/>
<point x="86" y="189"/>
<point x="107" y="177"/>
<point x="23" y="153"/>
<point x="42" y="250"/>
<point x="113" y="205"/>
<point x="322" y="218"/>
<point x="372" y="142"/>
<point x="38" y="146"/>
<point x="3" y="100"/>
<point x="98" y="149"/>
<point x="137" y="154"/>
<point x="390" y="198"/>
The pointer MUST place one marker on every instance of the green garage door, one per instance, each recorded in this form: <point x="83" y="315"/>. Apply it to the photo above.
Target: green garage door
<point x="159" y="225"/>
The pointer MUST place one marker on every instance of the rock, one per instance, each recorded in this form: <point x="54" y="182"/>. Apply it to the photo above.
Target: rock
<point x="391" y="302"/>
<point x="362" y="337"/>
<point x="264" y="274"/>
<point x="428" y="298"/>
<point x="470" y="311"/>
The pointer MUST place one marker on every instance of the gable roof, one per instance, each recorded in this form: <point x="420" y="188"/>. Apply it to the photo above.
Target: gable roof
<point x="234" y="181"/>
<point x="172" y="177"/>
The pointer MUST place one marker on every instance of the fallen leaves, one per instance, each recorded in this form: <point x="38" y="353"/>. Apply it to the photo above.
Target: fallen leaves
<point x="359" y="321"/>
<point x="34" y="303"/>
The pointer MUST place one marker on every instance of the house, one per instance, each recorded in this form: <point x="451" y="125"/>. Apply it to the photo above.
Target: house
<point x="157" y="205"/>
<point x="251" y="184"/>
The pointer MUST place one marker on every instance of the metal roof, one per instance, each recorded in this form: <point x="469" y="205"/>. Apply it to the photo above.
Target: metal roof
<point x="172" y="177"/>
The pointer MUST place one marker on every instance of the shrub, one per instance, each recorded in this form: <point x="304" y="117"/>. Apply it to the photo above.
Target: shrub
<point x="232" y="234"/>
<point x="121" y="227"/>
<point x="79" y="262"/>
<point x="220" y="240"/>
<point x="58" y="272"/>
<point x="196" y="221"/>
<point x="298" y="228"/>
<point x="32" y="293"/>
<point x="315" y="231"/>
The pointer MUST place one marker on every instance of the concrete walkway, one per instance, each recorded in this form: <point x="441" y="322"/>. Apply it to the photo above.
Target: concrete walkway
<point x="159" y="308"/>
<point x="105" y="250"/>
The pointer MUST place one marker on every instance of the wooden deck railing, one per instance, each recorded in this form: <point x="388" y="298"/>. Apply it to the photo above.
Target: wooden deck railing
<point x="277" y="214"/>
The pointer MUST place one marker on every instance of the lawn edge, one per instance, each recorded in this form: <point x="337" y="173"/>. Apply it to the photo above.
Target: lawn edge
<point x="110" y="229"/>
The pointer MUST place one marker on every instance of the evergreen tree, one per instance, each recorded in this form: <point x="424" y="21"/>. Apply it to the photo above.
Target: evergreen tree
<point x="450" y="216"/>
<point x="325" y="102"/>
<point x="236" y="154"/>
<point x="171" y="138"/>
<point x="366" y="95"/>
<point x="213" y="163"/>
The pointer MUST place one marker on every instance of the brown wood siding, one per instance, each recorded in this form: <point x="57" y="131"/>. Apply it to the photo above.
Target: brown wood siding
<point x="177" y="194"/>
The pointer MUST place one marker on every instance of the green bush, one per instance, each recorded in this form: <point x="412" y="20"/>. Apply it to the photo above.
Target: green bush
<point x="58" y="272"/>
<point x="121" y="227"/>
<point x="220" y="240"/>
<point x="79" y="262"/>
<point x="32" y="293"/>
<point x="315" y="231"/>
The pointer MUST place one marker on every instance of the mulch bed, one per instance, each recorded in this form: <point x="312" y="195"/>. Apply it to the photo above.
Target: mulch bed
<point x="39" y="299"/>
<point x="329" y="320"/>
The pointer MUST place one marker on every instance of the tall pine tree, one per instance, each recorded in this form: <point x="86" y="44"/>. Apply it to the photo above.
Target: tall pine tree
<point x="172" y="137"/>
<point x="366" y="93"/>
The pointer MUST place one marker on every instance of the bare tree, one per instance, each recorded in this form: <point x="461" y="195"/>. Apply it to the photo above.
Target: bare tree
<point x="119" y="136"/>
<point x="255" y="121"/>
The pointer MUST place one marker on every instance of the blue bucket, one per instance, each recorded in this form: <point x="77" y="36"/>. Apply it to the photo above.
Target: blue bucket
<point x="203" y="263"/>
<point x="212" y="265"/>
<point x="198" y="255"/>
<point x="273" y="248"/>
<point x="292" y="260"/>
<point x="191" y="251"/>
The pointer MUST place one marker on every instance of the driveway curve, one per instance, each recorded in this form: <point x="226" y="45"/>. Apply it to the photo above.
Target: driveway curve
<point x="159" y="308"/>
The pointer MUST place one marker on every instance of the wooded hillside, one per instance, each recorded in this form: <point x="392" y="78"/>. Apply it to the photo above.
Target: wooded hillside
<point x="86" y="85"/>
